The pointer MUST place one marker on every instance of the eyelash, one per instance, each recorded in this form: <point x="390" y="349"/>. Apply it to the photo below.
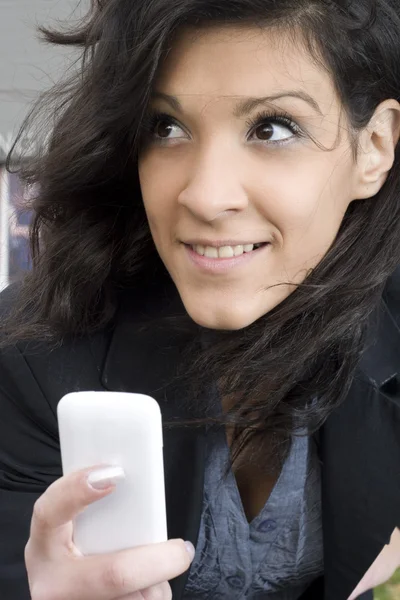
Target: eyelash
<point x="264" y="117"/>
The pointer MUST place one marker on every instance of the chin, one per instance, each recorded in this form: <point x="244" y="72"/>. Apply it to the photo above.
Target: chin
<point x="227" y="320"/>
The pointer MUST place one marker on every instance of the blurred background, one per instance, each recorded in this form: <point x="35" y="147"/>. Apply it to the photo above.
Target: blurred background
<point x="390" y="591"/>
<point x="27" y="68"/>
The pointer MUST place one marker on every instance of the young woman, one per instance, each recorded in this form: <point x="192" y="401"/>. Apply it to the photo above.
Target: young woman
<point x="217" y="225"/>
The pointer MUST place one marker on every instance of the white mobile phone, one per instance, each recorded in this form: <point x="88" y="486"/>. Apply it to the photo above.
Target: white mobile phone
<point x="125" y="430"/>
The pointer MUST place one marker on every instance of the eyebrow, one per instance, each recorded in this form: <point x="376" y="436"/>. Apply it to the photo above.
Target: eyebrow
<point x="244" y="107"/>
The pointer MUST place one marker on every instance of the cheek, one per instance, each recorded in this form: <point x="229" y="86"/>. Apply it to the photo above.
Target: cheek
<point x="159" y="187"/>
<point x="307" y="203"/>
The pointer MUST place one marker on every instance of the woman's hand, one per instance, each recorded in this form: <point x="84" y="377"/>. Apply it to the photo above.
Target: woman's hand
<point x="58" y="571"/>
<point x="383" y="567"/>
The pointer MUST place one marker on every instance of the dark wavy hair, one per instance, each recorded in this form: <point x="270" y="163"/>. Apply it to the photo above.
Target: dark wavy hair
<point x="90" y="238"/>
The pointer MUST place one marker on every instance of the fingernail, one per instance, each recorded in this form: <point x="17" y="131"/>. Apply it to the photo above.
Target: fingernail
<point x="190" y="549"/>
<point x="103" y="478"/>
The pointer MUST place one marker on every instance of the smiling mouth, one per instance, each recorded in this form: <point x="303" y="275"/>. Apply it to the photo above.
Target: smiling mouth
<point x="225" y="251"/>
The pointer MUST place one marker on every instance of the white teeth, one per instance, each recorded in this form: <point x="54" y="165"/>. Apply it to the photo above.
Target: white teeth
<point x="211" y="252"/>
<point x="238" y="250"/>
<point x="223" y="251"/>
<point x="226" y="252"/>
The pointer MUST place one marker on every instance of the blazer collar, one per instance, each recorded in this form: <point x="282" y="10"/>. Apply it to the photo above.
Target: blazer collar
<point x="380" y="362"/>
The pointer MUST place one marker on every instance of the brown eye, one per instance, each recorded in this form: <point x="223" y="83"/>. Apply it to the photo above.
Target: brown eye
<point x="162" y="129"/>
<point x="273" y="131"/>
<point x="265" y="131"/>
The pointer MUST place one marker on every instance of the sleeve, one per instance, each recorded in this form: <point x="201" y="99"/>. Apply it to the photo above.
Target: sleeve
<point x="29" y="462"/>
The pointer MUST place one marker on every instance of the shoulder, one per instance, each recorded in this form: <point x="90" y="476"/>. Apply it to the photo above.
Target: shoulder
<point x="40" y="372"/>
<point x="380" y="362"/>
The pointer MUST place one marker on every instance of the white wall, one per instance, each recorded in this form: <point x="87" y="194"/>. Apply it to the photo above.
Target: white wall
<point x="26" y="65"/>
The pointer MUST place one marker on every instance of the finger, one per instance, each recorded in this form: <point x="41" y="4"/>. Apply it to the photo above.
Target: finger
<point x="122" y="573"/>
<point x="62" y="501"/>
<point x="156" y="592"/>
<point x="134" y="596"/>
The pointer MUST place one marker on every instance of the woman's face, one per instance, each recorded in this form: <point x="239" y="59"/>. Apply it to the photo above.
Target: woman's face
<point x="230" y="162"/>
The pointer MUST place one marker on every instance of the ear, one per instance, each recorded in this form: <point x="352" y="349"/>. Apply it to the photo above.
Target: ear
<point x="377" y="145"/>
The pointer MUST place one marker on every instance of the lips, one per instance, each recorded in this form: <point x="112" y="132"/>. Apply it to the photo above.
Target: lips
<point x="217" y="265"/>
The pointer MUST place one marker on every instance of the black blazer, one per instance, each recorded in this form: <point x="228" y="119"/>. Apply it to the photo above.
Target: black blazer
<point x="359" y="445"/>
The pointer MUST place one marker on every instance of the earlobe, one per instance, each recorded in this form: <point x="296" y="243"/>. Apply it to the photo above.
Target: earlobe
<point x="377" y="145"/>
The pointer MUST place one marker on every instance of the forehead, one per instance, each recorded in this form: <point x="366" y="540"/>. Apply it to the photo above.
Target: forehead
<point x="231" y="61"/>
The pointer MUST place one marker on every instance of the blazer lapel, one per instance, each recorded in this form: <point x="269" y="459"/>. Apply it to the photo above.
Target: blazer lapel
<point x="360" y="452"/>
<point x="143" y="360"/>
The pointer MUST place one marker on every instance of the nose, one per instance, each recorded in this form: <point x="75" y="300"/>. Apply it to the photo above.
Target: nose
<point x="214" y="189"/>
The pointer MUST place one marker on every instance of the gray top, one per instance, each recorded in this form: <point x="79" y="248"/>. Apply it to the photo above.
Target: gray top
<point x="277" y="555"/>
